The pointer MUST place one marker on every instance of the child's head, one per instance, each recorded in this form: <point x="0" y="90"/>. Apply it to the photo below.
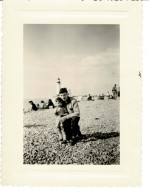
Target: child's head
<point x="59" y="102"/>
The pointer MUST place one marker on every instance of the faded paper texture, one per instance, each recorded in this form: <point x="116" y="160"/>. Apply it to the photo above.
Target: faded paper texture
<point x="60" y="38"/>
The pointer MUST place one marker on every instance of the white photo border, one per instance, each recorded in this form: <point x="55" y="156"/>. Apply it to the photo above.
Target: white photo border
<point x="128" y="173"/>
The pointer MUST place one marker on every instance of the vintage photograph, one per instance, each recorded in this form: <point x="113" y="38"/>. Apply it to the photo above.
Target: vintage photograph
<point x="71" y="105"/>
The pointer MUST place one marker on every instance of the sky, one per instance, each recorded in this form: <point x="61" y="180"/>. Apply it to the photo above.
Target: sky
<point x="86" y="57"/>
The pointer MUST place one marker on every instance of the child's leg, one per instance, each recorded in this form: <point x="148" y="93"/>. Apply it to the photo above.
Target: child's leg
<point x="60" y="134"/>
<point x="63" y="132"/>
<point x="58" y="128"/>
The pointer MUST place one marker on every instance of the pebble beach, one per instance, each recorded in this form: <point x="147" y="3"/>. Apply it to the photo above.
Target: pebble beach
<point x="100" y="145"/>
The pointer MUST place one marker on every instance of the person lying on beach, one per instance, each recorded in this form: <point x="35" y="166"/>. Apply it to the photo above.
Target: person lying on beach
<point x="34" y="107"/>
<point x="61" y="111"/>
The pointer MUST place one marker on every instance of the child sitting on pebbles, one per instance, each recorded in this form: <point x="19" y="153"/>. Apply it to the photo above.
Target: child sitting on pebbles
<point x="61" y="111"/>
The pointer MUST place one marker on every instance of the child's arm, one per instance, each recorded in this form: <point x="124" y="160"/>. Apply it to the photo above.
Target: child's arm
<point x="64" y="114"/>
<point x="56" y="111"/>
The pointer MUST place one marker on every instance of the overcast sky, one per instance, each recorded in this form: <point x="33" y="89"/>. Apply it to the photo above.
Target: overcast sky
<point x="84" y="57"/>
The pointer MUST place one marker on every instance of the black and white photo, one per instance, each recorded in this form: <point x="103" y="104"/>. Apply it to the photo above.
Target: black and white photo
<point x="71" y="94"/>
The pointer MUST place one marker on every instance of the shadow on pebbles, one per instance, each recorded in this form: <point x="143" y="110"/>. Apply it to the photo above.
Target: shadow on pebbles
<point x="100" y="144"/>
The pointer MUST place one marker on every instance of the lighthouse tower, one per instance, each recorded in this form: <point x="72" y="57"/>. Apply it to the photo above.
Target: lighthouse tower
<point x="58" y="86"/>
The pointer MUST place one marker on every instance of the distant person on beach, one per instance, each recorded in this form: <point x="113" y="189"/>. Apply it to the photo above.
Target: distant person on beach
<point x="114" y="91"/>
<point x="61" y="111"/>
<point x="89" y="97"/>
<point x="50" y="103"/>
<point x="71" y="120"/>
<point x="98" y="97"/>
<point x="46" y="106"/>
<point x="34" y="107"/>
<point x="43" y="105"/>
<point x="102" y="96"/>
<point x="118" y="92"/>
<point x="108" y="95"/>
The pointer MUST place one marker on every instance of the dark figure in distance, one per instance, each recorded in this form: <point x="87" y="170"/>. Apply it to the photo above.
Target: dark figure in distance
<point x="50" y="103"/>
<point x="89" y="97"/>
<point x="114" y="91"/>
<point x="34" y="107"/>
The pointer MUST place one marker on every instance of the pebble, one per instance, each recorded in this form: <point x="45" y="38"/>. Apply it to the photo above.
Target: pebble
<point x="41" y="145"/>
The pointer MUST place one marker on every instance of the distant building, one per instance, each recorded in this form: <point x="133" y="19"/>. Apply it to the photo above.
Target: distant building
<point x="58" y="86"/>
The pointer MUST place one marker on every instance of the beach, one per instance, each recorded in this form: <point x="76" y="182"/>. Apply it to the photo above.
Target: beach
<point x="100" y="145"/>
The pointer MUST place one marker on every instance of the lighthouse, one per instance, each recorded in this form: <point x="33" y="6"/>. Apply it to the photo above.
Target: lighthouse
<point x="58" y="86"/>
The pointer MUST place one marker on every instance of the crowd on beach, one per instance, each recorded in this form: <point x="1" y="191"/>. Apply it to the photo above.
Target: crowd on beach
<point x="67" y="113"/>
<point x="43" y="105"/>
<point x="114" y="95"/>
<point x="50" y="104"/>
